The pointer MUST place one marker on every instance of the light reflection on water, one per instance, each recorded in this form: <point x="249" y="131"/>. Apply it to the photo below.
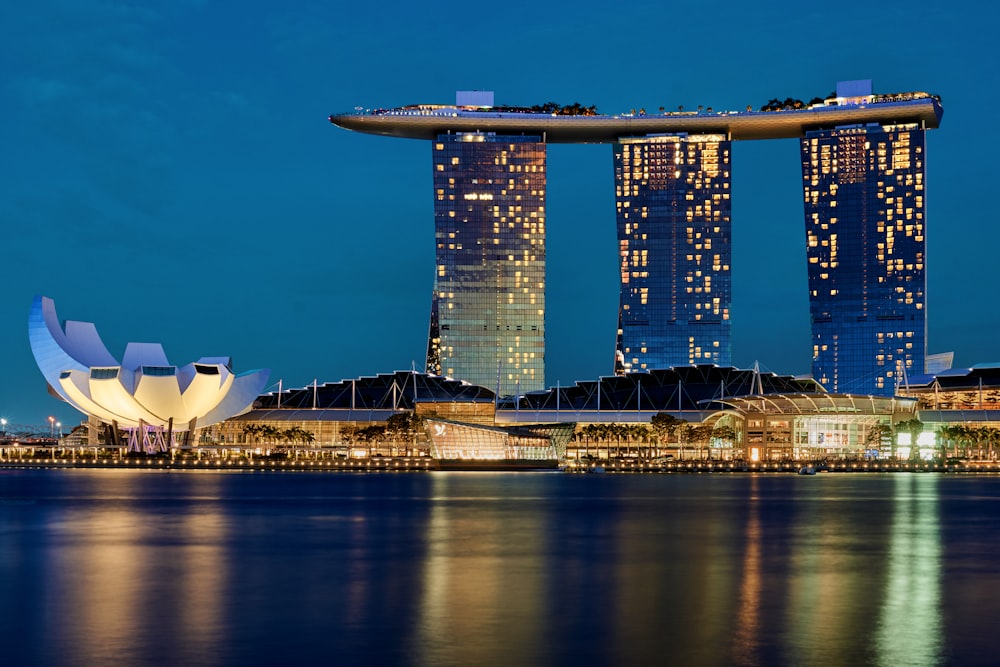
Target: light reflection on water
<point x="123" y="568"/>
<point x="910" y="622"/>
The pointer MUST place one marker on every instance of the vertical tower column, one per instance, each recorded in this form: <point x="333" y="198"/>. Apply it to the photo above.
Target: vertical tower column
<point x="672" y="197"/>
<point x="865" y="245"/>
<point x="488" y="307"/>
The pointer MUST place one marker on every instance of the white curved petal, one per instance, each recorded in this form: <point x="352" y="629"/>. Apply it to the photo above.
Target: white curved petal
<point x="50" y="357"/>
<point x="161" y="396"/>
<point x="245" y="389"/>
<point x="206" y="391"/>
<point x="83" y="343"/>
<point x="55" y="350"/>
<point x="144" y="354"/>
<point x="76" y="384"/>
<point x="113" y="396"/>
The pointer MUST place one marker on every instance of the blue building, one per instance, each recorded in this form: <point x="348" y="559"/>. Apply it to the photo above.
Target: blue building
<point x="487" y="323"/>
<point x="672" y="197"/>
<point x="864" y="193"/>
<point x="863" y="177"/>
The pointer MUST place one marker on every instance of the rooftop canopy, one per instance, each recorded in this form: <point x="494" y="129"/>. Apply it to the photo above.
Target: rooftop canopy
<point x="387" y="391"/>
<point x="819" y="404"/>
<point x="680" y="388"/>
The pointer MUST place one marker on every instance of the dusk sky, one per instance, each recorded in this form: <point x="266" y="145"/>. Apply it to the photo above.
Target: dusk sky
<point x="169" y="173"/>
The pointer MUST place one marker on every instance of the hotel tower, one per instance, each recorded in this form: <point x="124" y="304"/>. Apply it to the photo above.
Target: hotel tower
<point x="673" y="209"/>
<point x="488" y="306"/>
<point x="865" y="245"/>
<point x="863" y="170"/>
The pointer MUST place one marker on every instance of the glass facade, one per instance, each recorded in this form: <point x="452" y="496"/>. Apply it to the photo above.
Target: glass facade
<point x="865" y="236"/>
<point x="672" y="196"/>
<point x="487" y="322"/>
<point x="455" y="440"/>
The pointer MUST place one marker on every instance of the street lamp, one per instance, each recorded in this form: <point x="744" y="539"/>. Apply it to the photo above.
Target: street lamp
<point x="52" y="426"/>
<point x="59" y="427"/>
<point x="3" y="424"/>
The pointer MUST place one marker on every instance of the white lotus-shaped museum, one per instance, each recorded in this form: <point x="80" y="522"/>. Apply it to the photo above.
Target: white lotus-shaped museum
<point x="142" y="390"/>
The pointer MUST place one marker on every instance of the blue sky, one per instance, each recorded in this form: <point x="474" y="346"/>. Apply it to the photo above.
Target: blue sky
<point x="167" y="170"/>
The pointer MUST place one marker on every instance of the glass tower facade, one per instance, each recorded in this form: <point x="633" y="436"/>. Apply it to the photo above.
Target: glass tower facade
<point x="864" y="189"/>
<point x="672" y="196"/>
<point x="488" y="307"/>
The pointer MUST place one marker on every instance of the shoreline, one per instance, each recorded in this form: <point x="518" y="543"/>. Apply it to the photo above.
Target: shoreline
<point x="425" y="464"/>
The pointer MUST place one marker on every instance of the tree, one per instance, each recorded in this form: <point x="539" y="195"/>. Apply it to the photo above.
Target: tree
<point x="685" y="434"/>
<point x="699" y="435"/>
<point x="724" y="433"/>
<point x="877" y="434"/>
<point x="990" y="435"/>
<point x="914" y="427"/>
<point x="404" y="427"/>
<point x="640" y="433"/>
<point x="948" y="439"/>
<point x="665" y="425"/>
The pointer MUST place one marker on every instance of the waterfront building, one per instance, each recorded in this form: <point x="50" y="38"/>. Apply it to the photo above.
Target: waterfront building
<point x="716" y="412"/>
<point x="957" y="392"/>
<point x="456" y="442"/>
<point x="336" y="414"/>
<point x="672" y="198"/>
<point x="863" y="170"/>
<point x="143" y="395"/>
<point x="487" y="323"/>
<point x="864" y="194"/>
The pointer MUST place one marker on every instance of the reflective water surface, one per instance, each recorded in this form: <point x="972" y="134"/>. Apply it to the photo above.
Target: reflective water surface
<point x="184" y="568"/>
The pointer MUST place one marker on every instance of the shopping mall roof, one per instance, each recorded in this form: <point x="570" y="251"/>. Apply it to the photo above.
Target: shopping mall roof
<point x="820" y="404"/>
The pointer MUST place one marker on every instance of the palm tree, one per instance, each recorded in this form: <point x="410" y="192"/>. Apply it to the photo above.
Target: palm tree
<point x="641" y="434"/>
<point x="914" y="427"/>
<point x="963" y="437"/>
<point x="616" y="431"/>
<point x="947" y="435"/>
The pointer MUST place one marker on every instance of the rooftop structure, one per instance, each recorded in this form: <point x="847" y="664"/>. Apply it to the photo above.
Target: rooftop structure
<point x="677" y="389"/>
<point x="427" y="121"/>
<point x="385" y="393"/>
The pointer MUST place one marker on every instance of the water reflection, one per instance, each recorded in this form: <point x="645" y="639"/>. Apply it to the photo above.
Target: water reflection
<point x="747" y="628"/>
<point x="910" y="624"/>
<point x="483" y="577"/>
<point x="218" y="569"/>
<point x="125" y="567"/>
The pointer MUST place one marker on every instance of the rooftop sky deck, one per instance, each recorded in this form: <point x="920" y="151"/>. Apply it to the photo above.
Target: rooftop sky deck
<point x="427" y="122"/>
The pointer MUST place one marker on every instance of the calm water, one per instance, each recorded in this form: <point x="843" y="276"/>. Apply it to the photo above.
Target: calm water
<point x="173" y="568"/>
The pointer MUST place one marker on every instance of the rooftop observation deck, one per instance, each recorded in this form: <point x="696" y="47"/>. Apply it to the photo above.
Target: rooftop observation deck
<point x="428" y="121"/>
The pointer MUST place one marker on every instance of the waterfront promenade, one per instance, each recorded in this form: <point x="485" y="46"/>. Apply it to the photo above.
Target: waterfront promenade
<point x="429" y="464"/>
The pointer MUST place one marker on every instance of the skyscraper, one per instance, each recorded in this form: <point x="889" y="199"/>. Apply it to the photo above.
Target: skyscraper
<point x="488" y="307"/>
<point x="863" y="171"/>
<point x="865" y="236"/>
<point x="672" y="196"/>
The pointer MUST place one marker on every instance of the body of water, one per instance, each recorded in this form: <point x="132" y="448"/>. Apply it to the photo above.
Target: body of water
<point x="106" y="567"/>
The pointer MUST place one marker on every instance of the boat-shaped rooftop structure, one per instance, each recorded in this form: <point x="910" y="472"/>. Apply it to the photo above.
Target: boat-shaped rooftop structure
<point x="427" y="121"/>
